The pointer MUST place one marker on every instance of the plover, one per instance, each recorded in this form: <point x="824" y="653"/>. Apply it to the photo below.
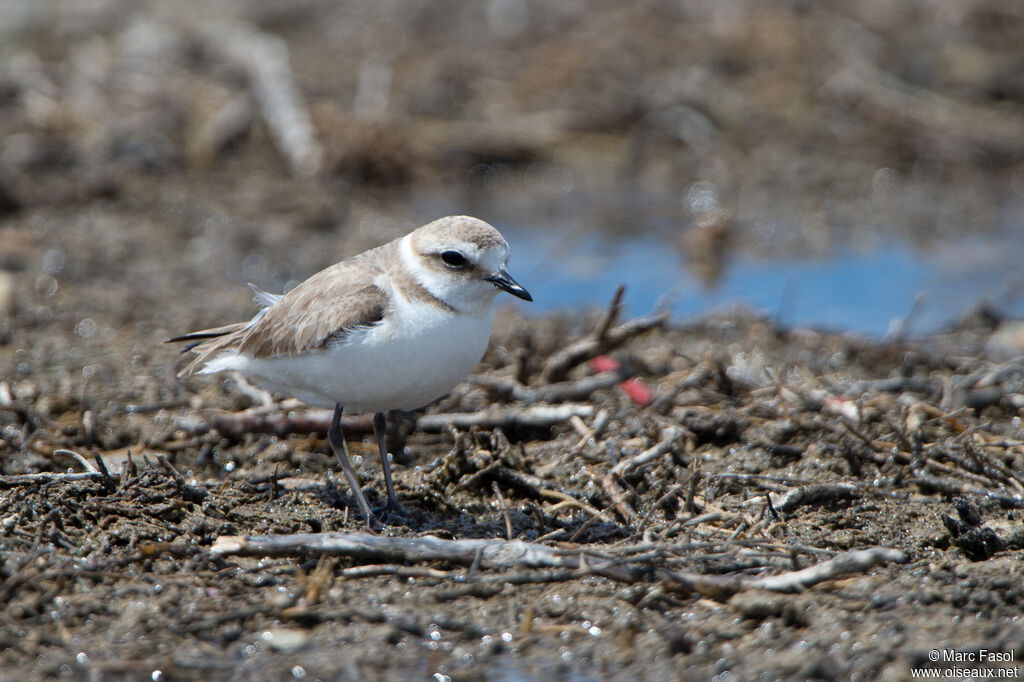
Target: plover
<point x="392" y="328"/>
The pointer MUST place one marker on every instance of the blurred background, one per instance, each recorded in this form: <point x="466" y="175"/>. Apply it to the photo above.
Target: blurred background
<point x="857" y="165"/>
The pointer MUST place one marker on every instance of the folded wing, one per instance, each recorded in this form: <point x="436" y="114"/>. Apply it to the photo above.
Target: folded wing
<point x="323" y="310"/>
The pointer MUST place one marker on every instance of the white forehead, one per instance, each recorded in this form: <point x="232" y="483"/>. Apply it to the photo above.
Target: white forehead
<point x="477" y="240"/>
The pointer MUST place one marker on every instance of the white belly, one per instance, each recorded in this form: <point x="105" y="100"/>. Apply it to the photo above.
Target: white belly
<point x="390" y="366"/>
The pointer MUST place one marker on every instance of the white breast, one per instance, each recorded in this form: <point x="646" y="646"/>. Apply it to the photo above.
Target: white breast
<point x="416" y="355"/>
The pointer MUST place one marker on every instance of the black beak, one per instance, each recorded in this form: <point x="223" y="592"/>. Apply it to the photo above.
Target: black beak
<point x="504" y="281"/>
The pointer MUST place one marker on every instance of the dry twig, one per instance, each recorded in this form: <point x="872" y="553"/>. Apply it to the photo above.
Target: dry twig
<point x="317" y="421"/>
<point x="264" y="59"/>
<point x="604" y="338"/>
<point x="668" y="440"/>
<point x="515" y="554"/>
<point x="47" y="477"/>
<point x="510" y="389"/>
<point x="815" y="495"/>
<point x="86" y="464"/>
<point x="504" y="509"/>
<point x="610" y="484"/>
<point x="856" y="561"/>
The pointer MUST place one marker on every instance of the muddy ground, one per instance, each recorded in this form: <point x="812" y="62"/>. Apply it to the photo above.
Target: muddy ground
<point x="143" y="182"/>
<point x="912" y="446"/>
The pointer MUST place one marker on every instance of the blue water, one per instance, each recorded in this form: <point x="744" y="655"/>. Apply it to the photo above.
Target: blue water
<point x="862" y="292"/>
<point x="892" y="287"/>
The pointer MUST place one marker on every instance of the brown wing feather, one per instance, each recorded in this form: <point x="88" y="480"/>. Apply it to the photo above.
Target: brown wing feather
<point x="309" y="321"/>
<point x="205" y="334"/>
<point x="324" y="308"/>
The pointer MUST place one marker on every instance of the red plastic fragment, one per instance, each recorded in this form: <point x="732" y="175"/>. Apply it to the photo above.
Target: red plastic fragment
<point x="637" y="390"/>
<point x="633" y="387"/>
<point x="605" y="363"/>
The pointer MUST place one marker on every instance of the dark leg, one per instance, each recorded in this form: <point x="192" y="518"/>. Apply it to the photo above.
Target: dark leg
<point x="380" y="430"/>
<point x="337" y="440"/>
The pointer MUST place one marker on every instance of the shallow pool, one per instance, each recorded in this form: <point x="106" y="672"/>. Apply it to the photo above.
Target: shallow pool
<point x="892" y="288"/>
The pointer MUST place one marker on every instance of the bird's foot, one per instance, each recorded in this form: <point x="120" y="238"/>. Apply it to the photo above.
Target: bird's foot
<point x="391" y="512"/>
<point x="373" y="524"/>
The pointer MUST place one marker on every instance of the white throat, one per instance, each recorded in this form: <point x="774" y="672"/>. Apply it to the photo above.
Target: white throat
<point x="471" y="297"/>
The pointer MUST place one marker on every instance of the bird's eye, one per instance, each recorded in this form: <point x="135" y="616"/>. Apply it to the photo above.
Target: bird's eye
<point x="453" y="258"/>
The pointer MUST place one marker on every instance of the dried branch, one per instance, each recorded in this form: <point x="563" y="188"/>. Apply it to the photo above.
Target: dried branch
<point x="618" y="496"/>
<point x="601" y="341"/>
<point x="264" y="59"/>
<point x="369" y="570"/>
<point x="500" y="554"/>
<point x="237" y="425"/>
<point x="504" y="509"/>
<point x="665" y="445"/>
<point x="188" y="492"/>
<point x="86" y="464"/>
<point x="567" y="500"/>
<point x="534" y="416"/>
<point x="581" y="389"/>
<point x="948" y="487"/>
<point x="47" y="477"/>
<point x="611" y="315"/>
<point x="512" y="554"/>
<point x="856" y="561"/>
<point x="816" y="495"/>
